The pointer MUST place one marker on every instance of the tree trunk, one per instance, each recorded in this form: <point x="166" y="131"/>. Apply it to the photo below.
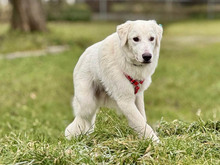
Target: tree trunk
<point x="27" y="15"/>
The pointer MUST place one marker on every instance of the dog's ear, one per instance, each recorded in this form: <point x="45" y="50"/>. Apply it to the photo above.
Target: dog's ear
<point x="122" y="31"/>
<point x="159" y="33"/>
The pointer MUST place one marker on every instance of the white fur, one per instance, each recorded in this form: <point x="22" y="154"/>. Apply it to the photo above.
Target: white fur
<point x="99" y="78"/>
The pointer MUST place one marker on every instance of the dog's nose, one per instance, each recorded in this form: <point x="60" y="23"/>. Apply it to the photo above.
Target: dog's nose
<point x="146" y="57"/>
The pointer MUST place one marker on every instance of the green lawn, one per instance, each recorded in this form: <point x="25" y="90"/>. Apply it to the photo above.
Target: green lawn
<point x="36" y="95"/>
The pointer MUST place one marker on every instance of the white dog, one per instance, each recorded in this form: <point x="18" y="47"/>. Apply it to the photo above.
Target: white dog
<point x="114" y="73"/>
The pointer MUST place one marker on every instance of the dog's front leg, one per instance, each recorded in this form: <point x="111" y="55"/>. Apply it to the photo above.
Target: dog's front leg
<point x="140" y="104"/>
<point x="136" y="120"/>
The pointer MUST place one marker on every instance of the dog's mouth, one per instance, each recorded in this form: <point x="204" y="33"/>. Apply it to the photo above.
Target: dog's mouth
<point x="142" y="63"/>
<point x="136" y="62"/>
<point x="147" y="62"/>
<point x="138" y="65"/>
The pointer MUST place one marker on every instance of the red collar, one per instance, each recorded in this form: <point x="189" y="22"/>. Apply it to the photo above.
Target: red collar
<point x="134" y="82"/>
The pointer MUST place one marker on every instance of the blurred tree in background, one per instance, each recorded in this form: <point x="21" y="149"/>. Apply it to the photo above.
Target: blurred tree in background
<point x="62" y="10"/>
<point x="28" y="15"/>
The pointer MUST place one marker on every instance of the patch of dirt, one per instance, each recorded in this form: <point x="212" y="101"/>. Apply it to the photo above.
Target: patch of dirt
<point x="195" y="39"/>
<point x="51" y="50"/>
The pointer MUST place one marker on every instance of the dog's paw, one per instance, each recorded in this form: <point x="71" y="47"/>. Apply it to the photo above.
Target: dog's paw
<point x="78" y="127"/>
<point x="74" y="129"/>
<point x="69" y="133"/>
<point x="155" y="139"/>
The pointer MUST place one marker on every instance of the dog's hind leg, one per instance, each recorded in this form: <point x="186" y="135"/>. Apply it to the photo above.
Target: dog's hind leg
<point x="85" y="107"/>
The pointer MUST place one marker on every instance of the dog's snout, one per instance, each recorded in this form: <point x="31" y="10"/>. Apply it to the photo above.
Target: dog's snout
<point x="147" y="57"/>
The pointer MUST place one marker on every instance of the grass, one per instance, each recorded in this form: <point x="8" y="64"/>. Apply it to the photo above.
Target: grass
<point x="58" y="33"/>
<point x="182" y="103"/>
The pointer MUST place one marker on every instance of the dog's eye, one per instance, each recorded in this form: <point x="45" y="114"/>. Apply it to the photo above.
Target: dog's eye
<point x="136" y="39"/>
<point x="151" y="38"/>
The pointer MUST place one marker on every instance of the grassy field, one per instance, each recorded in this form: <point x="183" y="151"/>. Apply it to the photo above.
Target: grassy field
<point x="182" y="104"/>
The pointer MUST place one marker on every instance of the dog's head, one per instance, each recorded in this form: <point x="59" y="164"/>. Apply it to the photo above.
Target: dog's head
<point x="140" y="40"/>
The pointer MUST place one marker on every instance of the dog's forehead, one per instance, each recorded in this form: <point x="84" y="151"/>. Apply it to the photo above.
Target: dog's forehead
<point x="143" y="27"/>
